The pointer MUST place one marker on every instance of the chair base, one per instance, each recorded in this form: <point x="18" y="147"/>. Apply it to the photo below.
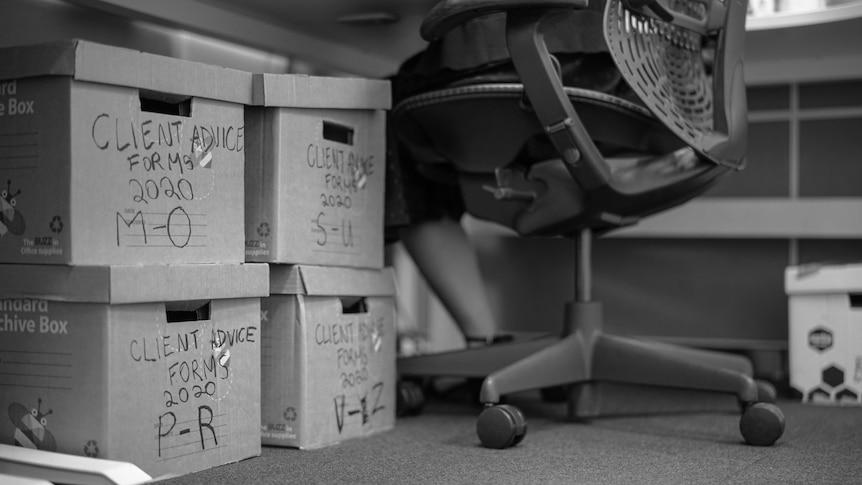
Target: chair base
<point x="585" y="356"/>
<point x="592" y="366"/>
<point x="597" y="399"/>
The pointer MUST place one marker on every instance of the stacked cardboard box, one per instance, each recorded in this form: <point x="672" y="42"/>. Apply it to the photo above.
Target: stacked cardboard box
<point x="141" y="197"/>
<point x="111" y="156"/>
<point x="328" y="355"/>
<point x="130" y="320"/>
<point x="825" y="333"/>
<point x="315" y="175"/>
<point x="315" y="158"/>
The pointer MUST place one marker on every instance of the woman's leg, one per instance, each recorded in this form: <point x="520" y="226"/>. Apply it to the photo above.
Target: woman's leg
<point x="446" y="258"/>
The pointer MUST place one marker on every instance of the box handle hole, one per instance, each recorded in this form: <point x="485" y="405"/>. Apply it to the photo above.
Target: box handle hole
<point x="188" y="311"/>
<point x="352" y="305"/>
<point x="337" y="133"/>
<point x="855" y="300"/>
<point x="166" y="104"/>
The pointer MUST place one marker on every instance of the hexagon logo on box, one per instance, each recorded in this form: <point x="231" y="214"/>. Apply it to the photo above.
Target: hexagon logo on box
<point x="820" y="339"/>
<point x="833" y="388"/>
<point x="846" y="396"/>
<point x="833" y="376"/>
<point x="818" y="395"/>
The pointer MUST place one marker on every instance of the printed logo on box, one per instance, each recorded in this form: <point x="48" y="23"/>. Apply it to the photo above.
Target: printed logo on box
<point x="31" y="427"/>
<point x="820" y="339"/>
<point x="29" y="316"/>
<point x="12" y="105"/>
<point x="834" y="386"/>
<point x="11" y="220"/>
<point x="258" y="247"/>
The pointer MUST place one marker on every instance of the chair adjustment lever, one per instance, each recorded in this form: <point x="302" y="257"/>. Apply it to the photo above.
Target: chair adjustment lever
<point x="508" y="193"/>
<point x="504" y="189"/>
<point x="559" y="126"/>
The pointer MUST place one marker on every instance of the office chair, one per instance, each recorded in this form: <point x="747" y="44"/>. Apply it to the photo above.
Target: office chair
<point x="546" y="159"/>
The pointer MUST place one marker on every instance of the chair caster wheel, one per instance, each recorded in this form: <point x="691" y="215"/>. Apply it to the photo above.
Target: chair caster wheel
<point x="762" y="424"/>
<point x="410" y="399"/>
<point x="501" y="426"/>
<point x="766" y="392"/>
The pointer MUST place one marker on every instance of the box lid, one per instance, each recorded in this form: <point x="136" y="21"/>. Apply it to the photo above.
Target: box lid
<point x="330" y="281"/>
<point x="92" y="62"/>
<point x="302" y="91"/>
<point x="134" y="283"/>
<point x="823" y="278"/>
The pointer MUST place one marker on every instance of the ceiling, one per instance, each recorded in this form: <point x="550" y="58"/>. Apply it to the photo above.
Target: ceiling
<point x="784" y="47"/>
<point x="389" y="28"/>
<point x="365" y="37"/>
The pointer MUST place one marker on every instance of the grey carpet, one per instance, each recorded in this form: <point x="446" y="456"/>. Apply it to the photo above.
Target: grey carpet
<point x="821" y="445"/>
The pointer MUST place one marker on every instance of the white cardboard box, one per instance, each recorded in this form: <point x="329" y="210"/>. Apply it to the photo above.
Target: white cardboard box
<point x="155" y="365"/>
<point x="114" y="156"/>
<point x="327" y="355"/>
<point x="825" y="337"/>
<point x="315" y="175"/>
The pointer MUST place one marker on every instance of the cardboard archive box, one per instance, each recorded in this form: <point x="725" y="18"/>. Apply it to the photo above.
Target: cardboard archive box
<point x="327" y="355"/>
<point x="155" y="365"/>
<point x="114" y="156"/>
<point x="315" y="172"/>
<point x="825" y="335"/>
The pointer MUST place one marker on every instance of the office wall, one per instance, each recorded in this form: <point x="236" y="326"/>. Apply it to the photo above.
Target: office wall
<point x="805" y="142"/>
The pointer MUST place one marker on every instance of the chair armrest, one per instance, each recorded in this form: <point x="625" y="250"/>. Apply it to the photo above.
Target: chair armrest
<point x="544" y="88"/>
<point x="448" y="14"/>
<point x="731" y="106"/>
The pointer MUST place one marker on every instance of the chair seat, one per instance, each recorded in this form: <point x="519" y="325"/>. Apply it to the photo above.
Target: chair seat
<point x="478" y="131"/>
<point x="481" y="127"/>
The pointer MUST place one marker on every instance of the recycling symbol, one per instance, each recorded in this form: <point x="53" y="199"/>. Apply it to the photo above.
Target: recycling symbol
<point x="290" y="414"/>
<point x="263" y="229"/>
<point x="57" y="224"/>
<point x="91" y="449"/>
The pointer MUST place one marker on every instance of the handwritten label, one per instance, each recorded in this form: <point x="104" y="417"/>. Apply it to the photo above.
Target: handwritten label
<point x="197" y="374"/>
<point x="344" y="174"/>
<point x="353" y="342"/>
<point x="358" y="408"/>
<point x="356" y="346"/>
<point x="162" y="156"/>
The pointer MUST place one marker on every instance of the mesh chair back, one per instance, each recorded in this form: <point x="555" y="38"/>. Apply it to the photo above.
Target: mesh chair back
<point x="688" y="70"/>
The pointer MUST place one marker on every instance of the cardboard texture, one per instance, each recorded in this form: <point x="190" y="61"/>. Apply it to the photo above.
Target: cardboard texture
<point x="169" y="382"/>
<point x="315" y="168"/>
<point x="328" y="355"/>
<point x="113" y="156"/>
<point x="825" y="334"/>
